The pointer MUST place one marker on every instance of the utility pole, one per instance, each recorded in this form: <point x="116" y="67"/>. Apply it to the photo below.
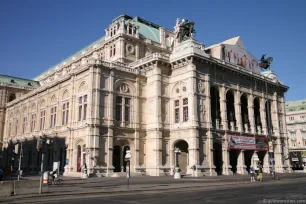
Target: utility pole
<point x="20" y="157"/>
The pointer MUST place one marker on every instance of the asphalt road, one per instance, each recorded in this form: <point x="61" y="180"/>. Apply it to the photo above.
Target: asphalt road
<point x="269" y="192"/>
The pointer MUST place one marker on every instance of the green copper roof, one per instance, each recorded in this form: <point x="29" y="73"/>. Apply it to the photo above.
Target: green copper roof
<point x="18" y="81"/>
<point x="296" y="105"/>
<point x="147" y="29"/>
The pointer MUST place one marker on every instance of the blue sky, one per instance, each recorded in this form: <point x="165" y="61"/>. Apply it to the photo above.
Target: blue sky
<point x="36" y="35"/>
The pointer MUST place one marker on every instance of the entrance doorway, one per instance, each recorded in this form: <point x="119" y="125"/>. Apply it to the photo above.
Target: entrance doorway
<point x="116" y="158"/>
<point x="218" y="161"/>
<point x="119" y="162"/>
<point x="183" y="156"/>
<point x="79" y="159"/>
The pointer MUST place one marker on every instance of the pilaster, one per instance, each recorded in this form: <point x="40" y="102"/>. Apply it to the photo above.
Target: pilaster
<point x="263" y="116"/>
<point x="238" y="110"/>
<point x="223" y="108"/>
<point x="251" y="113"/>
<point x="226" y="157"/>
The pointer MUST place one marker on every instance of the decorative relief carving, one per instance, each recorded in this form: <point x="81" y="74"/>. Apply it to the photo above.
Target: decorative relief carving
<point x="124" y="88"/>
<point x="201" y="87"/>
<point x="184" y="88"/>
<point x="202" y="109"/>
<point x="130" y="50"/>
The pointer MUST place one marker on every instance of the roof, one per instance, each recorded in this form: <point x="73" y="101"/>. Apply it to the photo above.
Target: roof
<point x="233" y="41"/>
<point x="95" y="43"/>
<point x="18" y="81"/>
<point x="296" y="105"/>
<point x="147" y="30"/>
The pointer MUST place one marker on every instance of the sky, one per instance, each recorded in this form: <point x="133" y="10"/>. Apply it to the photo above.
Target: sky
<point x="35" y="35"/>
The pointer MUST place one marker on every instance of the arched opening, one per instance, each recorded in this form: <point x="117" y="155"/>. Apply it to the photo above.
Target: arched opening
<point x="245" y="113"/>
<point x="261" y="156"/>
<point x="257" y="113"/>
<point x="233" y="160"/>
<point x="230" y="108"/>
<point x="79" y="153"/>
<point x="116" y="158"/>
<point x="218" y="161"/>
<point x="12" y="97"/>
<point x="269" y="123"/>
<point x="182" y="145"/>
<point x="215" y="105"/>
<point x="248" y="159"/>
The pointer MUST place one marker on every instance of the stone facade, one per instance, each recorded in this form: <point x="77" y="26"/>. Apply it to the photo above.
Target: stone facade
<point x="138" y="88"/>
<point x="296" y="127"/>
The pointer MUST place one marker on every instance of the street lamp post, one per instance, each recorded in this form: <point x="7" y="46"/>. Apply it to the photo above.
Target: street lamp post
<point x="177" y="174"/>
<point x="20" y="157"/>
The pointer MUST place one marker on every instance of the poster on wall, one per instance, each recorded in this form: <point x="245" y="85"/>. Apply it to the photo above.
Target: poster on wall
<point x="247" y="143"/>
<point x="238" y="56"/>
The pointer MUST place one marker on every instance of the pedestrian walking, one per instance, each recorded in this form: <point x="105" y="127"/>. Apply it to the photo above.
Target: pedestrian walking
<point x="252" y="173"/>
<point x="260" y="173"/>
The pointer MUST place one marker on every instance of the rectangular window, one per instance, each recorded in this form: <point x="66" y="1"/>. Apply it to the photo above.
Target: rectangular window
<point x="118" y="108"/>
<point x="185" y="109"/>
<point x="114" y="52"/>
<point x="33" y="119"/>
<point x="304" y="142"/>
<point x="42" y="119"/>
<point x="85" y="107"/>
<point x="111" y="51"/>
<point x="53" y="117"/>
<point x="177" y="115"/>
<point x="65" y="113"/>
<point x="24" y="124"/>
<point x="127" y="109"/>
<point x="177" y="110"/>
<point x="82" y="107"/>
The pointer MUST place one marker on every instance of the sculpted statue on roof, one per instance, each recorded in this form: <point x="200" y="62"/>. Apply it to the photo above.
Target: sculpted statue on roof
<point x="184" y="30"/>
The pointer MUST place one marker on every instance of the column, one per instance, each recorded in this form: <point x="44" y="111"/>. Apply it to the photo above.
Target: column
<point x="122" y="158"/>
<point x="223" y="108"/>
<point x="209" y="166"/>
<point x="192" y="92"/>
<point x="110" y="148"/>
<point x="238" y="110"/>
<point x="137" y="51"/>
<point x="137" y="126"/>
<point x="241" y="167"/>
<point x="226" y="157"/>
<point x="266" y="163"/>
<point x="263" y="116"/>
<point x="251" y="113"/>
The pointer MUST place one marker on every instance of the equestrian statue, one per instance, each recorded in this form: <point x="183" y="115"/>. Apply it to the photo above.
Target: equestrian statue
<point x="265" y="63"/>
<point x="184" y="30"/>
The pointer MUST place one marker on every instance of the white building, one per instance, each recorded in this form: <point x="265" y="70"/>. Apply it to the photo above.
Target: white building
<point x="139" y="88"/>
<point x="296" y="126"/>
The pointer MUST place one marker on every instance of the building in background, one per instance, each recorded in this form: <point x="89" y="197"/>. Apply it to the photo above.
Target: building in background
<point x="296" y="127"/>
<point x="140" y="88"/>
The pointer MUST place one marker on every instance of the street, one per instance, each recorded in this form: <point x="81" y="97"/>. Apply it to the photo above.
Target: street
<point x="281" y="191"/>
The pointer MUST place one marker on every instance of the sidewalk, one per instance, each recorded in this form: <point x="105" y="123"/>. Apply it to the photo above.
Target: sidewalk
<point x="109" y="186"/>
